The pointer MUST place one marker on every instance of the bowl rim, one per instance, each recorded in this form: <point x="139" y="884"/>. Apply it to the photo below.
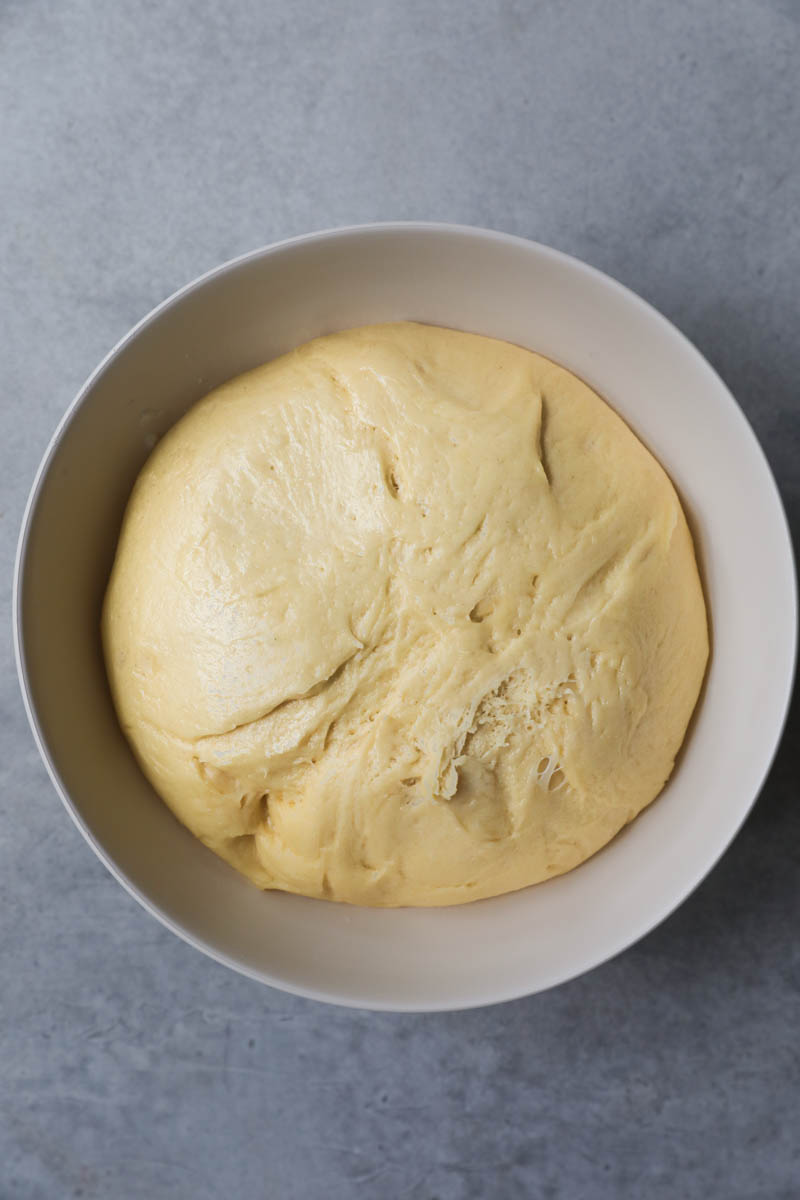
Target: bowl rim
<point x="333" y="996"/>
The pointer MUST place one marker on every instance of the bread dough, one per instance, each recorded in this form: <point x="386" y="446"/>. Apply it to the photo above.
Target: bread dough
<point x="405" y="617"/>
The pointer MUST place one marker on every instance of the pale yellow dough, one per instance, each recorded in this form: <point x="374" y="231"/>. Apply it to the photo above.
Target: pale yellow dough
<point x="407" y="616"/>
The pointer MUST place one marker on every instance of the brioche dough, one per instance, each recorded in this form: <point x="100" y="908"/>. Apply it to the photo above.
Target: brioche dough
<point x="404" y="617"/>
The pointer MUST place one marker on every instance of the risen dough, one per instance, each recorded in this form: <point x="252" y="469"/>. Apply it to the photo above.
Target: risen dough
<point x="407" y="616"/>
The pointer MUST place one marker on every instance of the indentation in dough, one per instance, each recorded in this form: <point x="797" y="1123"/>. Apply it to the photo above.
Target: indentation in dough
<point x="390" y="470"/>
<point x="476" y="532"/>
<point x="219" y="780"/>
<point x="243" y="841"/>
<point x="328" y="735"/>
<point x="541" y="447"/>
<point x="485" y="606"/>
<point x="364" y="860"/>
<point x="588" y="594"/>
<point x="478" y="803"/>
<point x="315" y="690"/>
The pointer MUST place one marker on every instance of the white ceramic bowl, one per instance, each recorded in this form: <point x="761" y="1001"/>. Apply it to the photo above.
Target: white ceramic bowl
<point x="257" y="307"/>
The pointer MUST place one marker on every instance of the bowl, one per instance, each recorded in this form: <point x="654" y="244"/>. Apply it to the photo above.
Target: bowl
<point x="257" y="307"/>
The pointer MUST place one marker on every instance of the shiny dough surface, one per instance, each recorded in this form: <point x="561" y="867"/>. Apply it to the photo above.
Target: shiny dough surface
<point x="407" y="616"/>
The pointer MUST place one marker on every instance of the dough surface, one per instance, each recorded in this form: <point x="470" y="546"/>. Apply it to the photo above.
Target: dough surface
<point x="405" y="617"/>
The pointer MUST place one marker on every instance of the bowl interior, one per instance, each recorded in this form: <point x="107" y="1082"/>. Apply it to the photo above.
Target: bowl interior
<point x="258" y="307"/>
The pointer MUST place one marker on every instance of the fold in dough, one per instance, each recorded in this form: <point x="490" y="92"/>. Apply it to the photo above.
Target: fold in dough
<point x="405" y="617"/>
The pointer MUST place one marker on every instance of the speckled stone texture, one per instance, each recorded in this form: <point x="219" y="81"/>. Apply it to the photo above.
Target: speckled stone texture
<point x="143" y="143"/>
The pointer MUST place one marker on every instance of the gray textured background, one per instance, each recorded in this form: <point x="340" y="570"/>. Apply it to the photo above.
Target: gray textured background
<point x="145" y="142"/>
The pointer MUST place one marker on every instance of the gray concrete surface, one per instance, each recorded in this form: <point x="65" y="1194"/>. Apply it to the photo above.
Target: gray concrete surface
<point x="141" y="144"/>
